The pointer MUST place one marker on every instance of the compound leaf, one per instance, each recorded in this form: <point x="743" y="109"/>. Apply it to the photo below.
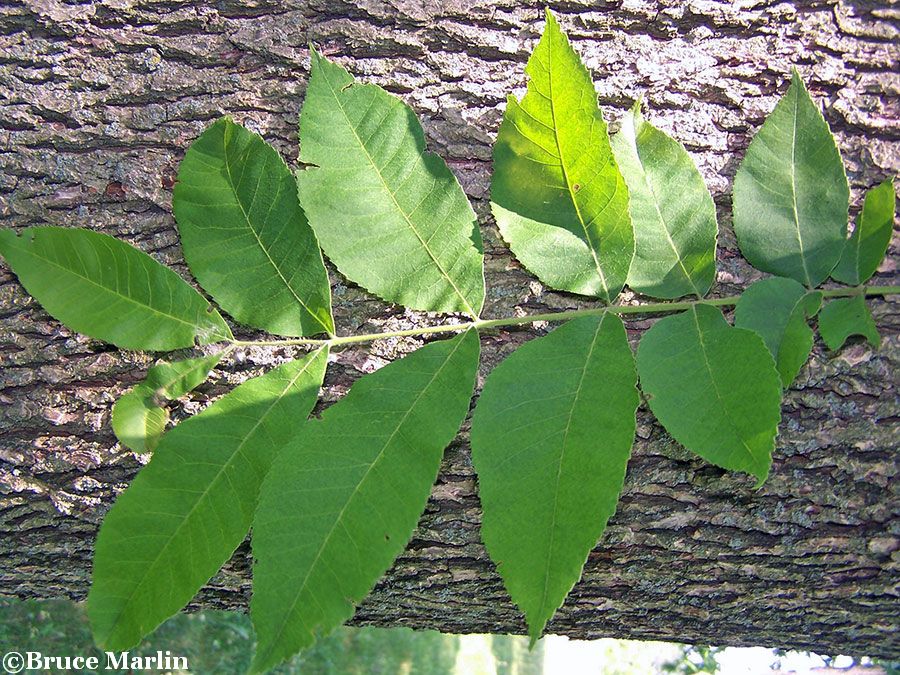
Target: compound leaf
<point x="777" y="309"/>
<point x="791" y="196"/>
<point x="109" y="290"/>
<point x="556" y="192"/>
<point x="245" y="237"/>
<point x="343" y="498"/>
<point x="188" y="510"/>
<point x="672" y="212"/>
<point x="839" y="319"/>
<point x="551" y="436"/>
<point x="389" y="215"/>
<point x="867" y="245"/>
<point x="139" y="418"/>
<point x="713" y="387"/>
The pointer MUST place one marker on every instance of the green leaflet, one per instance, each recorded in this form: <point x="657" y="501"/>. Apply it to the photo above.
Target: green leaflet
<point x="867" y="245"/>
<point x="713" y="387"/>
<point x="791" y="196"/>
<point x="343" y="498"/>
<point x="551" y="436"/>
<point x="139" y="418"/>
<point x="389" y="215"/>
<point x="777" y="309"/>
<point x="108" y="290"/>
<point x="839" y="319"/>
<point x="672" y="212"/>
<point x="188" y="510"/>
<point x="556" y="192"/>
<point x="245" y="236"/>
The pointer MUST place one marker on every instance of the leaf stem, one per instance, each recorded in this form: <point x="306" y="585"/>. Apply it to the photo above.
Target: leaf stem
<point x="486" y="324"/>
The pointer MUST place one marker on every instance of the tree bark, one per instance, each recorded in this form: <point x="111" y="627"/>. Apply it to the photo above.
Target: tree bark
<point x="99" y="103"/>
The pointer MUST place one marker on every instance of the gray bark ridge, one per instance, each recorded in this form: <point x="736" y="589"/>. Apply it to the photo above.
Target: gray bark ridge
<point x="99" y="103"/>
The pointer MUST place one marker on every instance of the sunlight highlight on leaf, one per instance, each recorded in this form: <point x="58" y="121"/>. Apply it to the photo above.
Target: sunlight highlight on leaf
<point x="557" y="194"/>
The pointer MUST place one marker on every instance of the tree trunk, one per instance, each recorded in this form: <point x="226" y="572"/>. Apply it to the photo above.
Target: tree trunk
<point x="99" y="103"/>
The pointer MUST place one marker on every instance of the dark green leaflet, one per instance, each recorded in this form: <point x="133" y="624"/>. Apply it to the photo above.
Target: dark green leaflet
<point x="551" y="436"/>
<point x="713" y="387"/>
<point x="389" y="215"/>
<point x="790" y="193"/>
<point x="778" y="309"/>
<point x="245" y="236"/>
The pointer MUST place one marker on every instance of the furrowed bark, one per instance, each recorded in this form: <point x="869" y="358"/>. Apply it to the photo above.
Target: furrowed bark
<point x="98" y="105"/>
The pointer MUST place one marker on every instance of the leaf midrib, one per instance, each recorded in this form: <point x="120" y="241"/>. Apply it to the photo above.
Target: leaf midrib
<point x="258" y="239"/>
<point x="565" y="173"/>
<point x="726" y="410"/>
<point x="274" y="643"/>
<point x="809" y="283"/>
<point x="214" y="481"/>
<point x="468" y="307"/>
<point x="562" y="452"/>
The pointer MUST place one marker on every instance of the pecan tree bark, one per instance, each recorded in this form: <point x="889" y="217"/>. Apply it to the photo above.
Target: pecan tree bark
<point x="97" y="106"/>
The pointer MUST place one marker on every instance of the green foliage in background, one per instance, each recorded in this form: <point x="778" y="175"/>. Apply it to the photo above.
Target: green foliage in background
<point x="553" y="427"/>
<point x="221" y="642"/>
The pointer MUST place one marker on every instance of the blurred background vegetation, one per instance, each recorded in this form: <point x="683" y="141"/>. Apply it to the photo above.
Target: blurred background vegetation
<point x="220" y="642"/>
